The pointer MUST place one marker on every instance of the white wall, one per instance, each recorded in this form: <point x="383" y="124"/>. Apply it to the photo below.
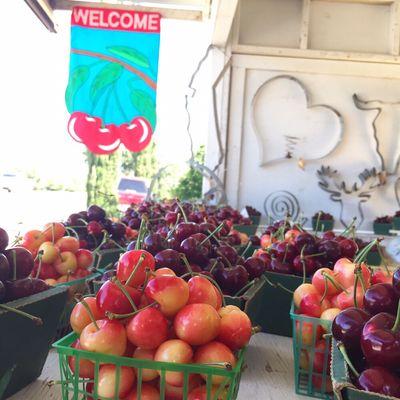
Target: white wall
<point x="328" y="66"/>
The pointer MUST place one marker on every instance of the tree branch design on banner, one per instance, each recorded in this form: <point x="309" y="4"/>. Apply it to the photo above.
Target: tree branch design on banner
<point x="112" y="86"/>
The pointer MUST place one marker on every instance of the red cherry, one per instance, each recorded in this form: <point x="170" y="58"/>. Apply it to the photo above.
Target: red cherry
<point x="137" y="135"/>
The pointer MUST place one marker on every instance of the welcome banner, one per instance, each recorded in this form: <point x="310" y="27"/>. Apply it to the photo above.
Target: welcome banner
<point x="112" y="86"/>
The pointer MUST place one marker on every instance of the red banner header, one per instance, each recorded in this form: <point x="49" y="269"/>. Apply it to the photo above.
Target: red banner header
<point x="125" y="20"/>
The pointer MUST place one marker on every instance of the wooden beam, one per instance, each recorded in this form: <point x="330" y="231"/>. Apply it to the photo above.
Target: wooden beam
<point x="44" y="12"/>
<point x="395" y="28"/>
<point x="305" y="23"/>
<point x="224" y="15"/>
<point x="317" y="54"/>
<point x="166" y="9"/>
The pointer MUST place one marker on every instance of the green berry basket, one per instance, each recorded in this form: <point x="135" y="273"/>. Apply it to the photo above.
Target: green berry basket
<point x="24" y="345"/>
<point x="382" y="229"/>
<point x="374" y="258"/>
<point x="74" y="387"/>
<point x="81" y="286"/>
<point x="343" y="388"/>
<point x="104" y="258"/>
<point x="249" y="301"/>
<point x="396" y="223"/>
<point x="271" y="305"/>
<point x="323" y="225"/>
<point x="255" y="219"/>
<point x="310" y="380"/>
<point x="249" y="230"/>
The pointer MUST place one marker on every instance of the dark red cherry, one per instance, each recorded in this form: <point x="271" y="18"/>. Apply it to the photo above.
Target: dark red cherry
<point x="380" y="380"/>
<point x="255" y="267"/>
<point x="381" y="297"/>
<point x="348" y="248"/>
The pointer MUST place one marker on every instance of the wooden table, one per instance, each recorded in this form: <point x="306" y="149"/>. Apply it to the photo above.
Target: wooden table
<point x="268" y="374"/>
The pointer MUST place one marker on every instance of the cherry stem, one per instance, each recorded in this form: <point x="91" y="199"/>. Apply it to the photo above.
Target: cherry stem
<point x="40" y="255"/>
<point x="187" y="264"/>
<point x="364" y="252"/>
<point x="384" y="259"/>
<point x="178" y="216"/>
<point x="342" y="349"/>
<point x="315" y="255"/>
<point x="133" y="273"/>
<point x="336" y="284"/>
<point x="256" y="329"/>
<point x="277" y="285"/>
<point x="101" y="243"/>
<point x="14" y="256"/>
<point x="355" y="291"/>
<point x="140" y="233"/>
<point x="146" y="279"/>
<point x="317" y="222"/>
<point x="118" y="245"/>
<point x="38" y="321"/>
<point x="358" y="273"/>
<point x="245" y="249"/>
<point x="226" y="365"/>
<point x="244" y="288"/>
<point x="303" y="263"/>
<point x="350" y="228"/>
<point x="397" y="322"/>
<point x="182" y="211"/>
<point x="216" y="230"/>
<point x="213" y="266"/>
<point x="111" y="315"/>
<point x="69" y="229"/>
<point x="81" y="300"/>
<point x="325" y="290"/>
<point x="126" y="293"/>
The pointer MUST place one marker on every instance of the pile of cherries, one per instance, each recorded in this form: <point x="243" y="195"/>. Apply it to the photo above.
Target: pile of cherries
<point x="204" y="247"/>
<point x="369" y="338"/>
<point x="16" y="265"/>
<point x="152" y="314"/>
<point x="58" y="257"/>
<point x="322" y="216"/>
<point x="288" y="249"/>
<point x="96" y="231"/>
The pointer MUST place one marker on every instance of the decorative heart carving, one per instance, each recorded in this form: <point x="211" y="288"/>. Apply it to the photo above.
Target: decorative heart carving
<point x="288" y="126"/>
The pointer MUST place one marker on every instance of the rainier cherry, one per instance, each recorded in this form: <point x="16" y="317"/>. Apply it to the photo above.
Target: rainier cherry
<point x="235" y="328"/>
<point x="80" y="317"/>
<point x="85" y="366"/>
<point x="148" y="329"/>
<point x="107" y="381"/>
<point x="214" y="352"/>
<point x="197" y="324"/>
<point x="148" y="392"/>
<point x="170" y="292"/>
<point x="108" y="337"/>
<point x="142" y="354"/>
<point x="176" y="351"/>
<point x="132" y="267"/>
<point x="201" y="290"/>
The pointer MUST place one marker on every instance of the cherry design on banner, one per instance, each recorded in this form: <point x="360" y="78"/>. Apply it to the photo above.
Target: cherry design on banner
<point x="106" y="139"/>
<point x="112" y="86"/>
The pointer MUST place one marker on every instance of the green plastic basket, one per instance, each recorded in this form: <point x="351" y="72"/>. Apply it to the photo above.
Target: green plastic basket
<point x="249" y="230"/>
<point x="309" y="382"/>
<point x="106" y="258"/>
<point x="24" y="346"/>
<point x="374" y="258"/>
<point x="382" y="229"/>
<point x="342" y="385"/>
<point x="323" y="225"/>
<point x="82" y="286"/>
<point x="73" y="387"/>
<point x="396" y="223"/>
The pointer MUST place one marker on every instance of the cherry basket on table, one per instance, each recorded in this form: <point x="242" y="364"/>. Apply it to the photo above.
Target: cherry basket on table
<point x="81" y="286"/>
<point x="73" y="387"/>
<point x="311" y="352"/>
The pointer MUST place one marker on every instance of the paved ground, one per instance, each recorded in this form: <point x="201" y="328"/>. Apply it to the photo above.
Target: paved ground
<point x="20" y="211"/>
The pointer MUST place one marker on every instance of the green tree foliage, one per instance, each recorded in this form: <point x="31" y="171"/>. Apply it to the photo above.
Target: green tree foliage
<point x="101" y="182"/>
<point x="190" y="184"/>
<point x="142" y="164"/>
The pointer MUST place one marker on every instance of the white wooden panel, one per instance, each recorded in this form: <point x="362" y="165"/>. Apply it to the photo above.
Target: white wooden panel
<point x="270" y="22"/>
<point x="327" y="82"/>
<point x="349" y="27"/>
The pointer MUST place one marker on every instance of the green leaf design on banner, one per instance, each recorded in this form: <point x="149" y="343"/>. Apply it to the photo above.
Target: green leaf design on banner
<point x="109" y="74"/>
<point x="77" y="79"/>
<point x="130" y="54"/>
<point x="144" y="103"/>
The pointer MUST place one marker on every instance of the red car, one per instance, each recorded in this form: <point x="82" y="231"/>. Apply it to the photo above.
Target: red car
<point x="132" y="191"/>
